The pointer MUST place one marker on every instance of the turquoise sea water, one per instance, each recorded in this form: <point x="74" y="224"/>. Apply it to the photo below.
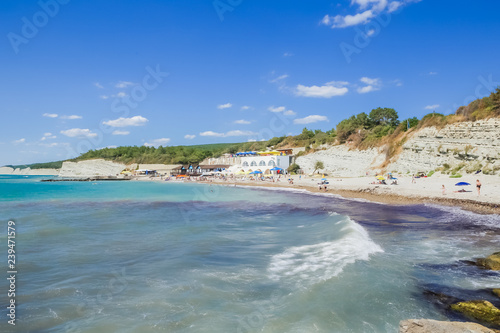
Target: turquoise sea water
<point x="174" y="257"/>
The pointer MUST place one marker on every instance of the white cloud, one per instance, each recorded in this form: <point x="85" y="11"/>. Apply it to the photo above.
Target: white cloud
<point x="79" y="132"/>
<point x="54" y="144"/>
<point x="398" y="82"/>
<point x="310" y="119"/>
<point x="251" y="140"/>
<point x="432" y="107"/>
<point x="124" y="84"/>
<point x="121" y="94"/>
<point x="276" y="109"/>
<point x="279" y="78"/>
<point x="98" y="85"/>
<point x="245" y="107"/>
<point x="19" y="141"/>
<point x="189" y="136"/>
<point x="224" y="106"/>
<point x="71" y="117"/>
<point x="230" y="133"/>
<point x="432" y="73"/>
<point x="125" y="122"/>
<point x="47" y="136"/>
<point x="364" y="3"/>
<point x="242" y="122"/>
<point x="369" y="81"/>
<point x="157" y="142"/>
<point x="240" y="133"/>
<point x="368" y="9"/>
<point x="395" y="5"/>
<point x="211" y="133"/>
<point x="370" y="32"/>
<point x="372" y="85"/>
<point x="283" y="109"/>
<point x="287" y="54"/>
<point x="340" y="21"/>
<point x="50" y="115"/>
<point x="330" y="89"/>
<point x="103" y="97"/>
<point x="117" y="132"/>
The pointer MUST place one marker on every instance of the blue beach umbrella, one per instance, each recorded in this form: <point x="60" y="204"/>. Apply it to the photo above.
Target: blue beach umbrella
<point x="462" y="184"/>
<point x="275" y="169"/>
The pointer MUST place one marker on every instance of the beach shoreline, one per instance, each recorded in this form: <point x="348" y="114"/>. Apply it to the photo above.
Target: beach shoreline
<point x="404" y="194"/>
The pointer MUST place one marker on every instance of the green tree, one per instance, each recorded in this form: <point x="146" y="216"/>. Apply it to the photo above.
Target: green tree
<point x="495" y="99"/>
<point x="364" y="121"/>
<point x="384" y="116"/>
<point x="412" y="122"/>
<point x="293" y="168"/>
<point x="318" y="166"/>
<point x="305" y="135"/>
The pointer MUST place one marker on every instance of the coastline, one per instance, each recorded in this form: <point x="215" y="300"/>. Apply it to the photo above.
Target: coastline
<point x="375" y="193"/>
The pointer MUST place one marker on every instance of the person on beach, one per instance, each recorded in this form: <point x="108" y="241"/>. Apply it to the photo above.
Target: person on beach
<point x="443" y="189"/>
<point x="478" y="186"/>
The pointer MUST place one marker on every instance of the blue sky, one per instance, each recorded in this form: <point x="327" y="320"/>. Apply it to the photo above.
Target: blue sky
<point x="79" y="75"/>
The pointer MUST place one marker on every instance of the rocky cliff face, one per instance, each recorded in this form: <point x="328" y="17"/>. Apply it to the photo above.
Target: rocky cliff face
<point x="341" y="161"/>
<point x="476" y="145"/>
<point x="28" y="171"/>
<point x="472" y="145"/>
<point x="91" y="168"/>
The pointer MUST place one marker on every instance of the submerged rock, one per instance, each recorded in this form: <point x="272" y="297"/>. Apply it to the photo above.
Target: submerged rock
<point x="496" y="292"/>
<point x="435" y="326"/>
<point x="482" y="311"/>
<point x="492" y="262"/>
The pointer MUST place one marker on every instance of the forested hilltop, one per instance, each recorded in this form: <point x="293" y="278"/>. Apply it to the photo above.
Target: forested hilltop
<point x="380" y="126"/>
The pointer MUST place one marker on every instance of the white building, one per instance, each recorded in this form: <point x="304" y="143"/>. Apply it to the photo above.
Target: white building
<point x="262" y="163"/>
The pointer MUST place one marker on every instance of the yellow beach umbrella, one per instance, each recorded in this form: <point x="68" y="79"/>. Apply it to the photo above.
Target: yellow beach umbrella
<point x="380" y="178"/>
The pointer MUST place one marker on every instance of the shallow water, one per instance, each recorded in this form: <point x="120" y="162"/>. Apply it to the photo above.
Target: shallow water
<point x="167" y="257"/>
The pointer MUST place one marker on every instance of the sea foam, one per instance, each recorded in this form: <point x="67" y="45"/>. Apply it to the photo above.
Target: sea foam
<point x="311" y="264"/>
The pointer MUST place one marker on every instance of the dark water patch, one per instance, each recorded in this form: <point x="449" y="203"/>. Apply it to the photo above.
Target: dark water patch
<point x="462" y="267"/>
<point x="444" y="295"/>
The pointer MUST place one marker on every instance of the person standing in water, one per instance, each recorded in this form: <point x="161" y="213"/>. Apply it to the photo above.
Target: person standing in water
<point x="478" y="186"/>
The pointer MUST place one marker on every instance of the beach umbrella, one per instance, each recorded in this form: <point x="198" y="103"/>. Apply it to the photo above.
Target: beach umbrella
<point x="324" y="179"/>
<point x="462" y="184"/>
<point x="275" y="169"/>
<point x="380" y="178"/>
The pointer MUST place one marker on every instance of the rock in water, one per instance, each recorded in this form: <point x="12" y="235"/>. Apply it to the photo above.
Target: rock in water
<point x="435" y="326"/>
<point x="482" y="311"/>
<point x="496" y="292"/>
<point x="492" y="262"/>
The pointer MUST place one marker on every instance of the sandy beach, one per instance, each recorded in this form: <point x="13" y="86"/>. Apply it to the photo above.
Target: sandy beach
<point x="423" y="190"/>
